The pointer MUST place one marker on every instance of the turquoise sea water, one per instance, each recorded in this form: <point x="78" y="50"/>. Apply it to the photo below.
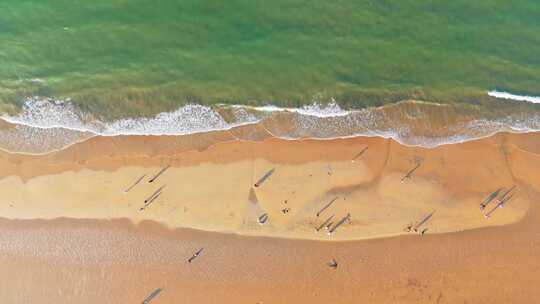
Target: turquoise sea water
<point x="119" y="58"/>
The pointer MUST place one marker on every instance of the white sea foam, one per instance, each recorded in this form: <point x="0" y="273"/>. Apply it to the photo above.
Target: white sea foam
<point x="43" y="119"/>
<point x="188" y="119"/>
<point x="506" y="95"/>
<point x="317" y="110"/>
<point x="50" y="114"/>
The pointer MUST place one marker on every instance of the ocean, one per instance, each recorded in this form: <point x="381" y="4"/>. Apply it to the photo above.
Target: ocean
<point x="422" y="73"/>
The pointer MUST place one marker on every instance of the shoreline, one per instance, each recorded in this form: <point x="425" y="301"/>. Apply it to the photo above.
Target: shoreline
<point x="412" y="123"/>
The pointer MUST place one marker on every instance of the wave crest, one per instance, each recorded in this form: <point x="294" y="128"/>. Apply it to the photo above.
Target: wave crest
<point x="506" y="95"/>
<point x="40" y="124"/>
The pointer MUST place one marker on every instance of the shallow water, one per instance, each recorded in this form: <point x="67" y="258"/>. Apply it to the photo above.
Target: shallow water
<point x="44" y="125"/>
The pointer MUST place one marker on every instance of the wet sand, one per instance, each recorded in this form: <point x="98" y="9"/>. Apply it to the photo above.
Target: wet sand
<point x="121" y="256"/>
<point x="83" y="261"/>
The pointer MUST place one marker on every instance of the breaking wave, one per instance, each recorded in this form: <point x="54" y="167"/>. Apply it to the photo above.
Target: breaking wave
<point x="44" y="125"/>
<point x="506" y="95"/>
<point x="52" y="114"/>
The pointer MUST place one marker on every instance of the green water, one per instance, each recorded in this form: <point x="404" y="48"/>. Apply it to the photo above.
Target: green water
<point x="127" y="57"/>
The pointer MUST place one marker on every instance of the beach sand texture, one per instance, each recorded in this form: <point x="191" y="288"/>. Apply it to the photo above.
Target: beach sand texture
<point x="72" y="233"/>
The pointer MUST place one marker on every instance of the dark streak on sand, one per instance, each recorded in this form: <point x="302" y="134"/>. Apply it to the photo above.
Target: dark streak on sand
<point x="409" y="174"/>
<point x="159" y="173"/>
<point x="423" y="221"/>
<point x="324" y="223"/>
<point x="195" y="255"/>
<point x="158" y="191"/>
<point x="150" y="201"/>
<point x="264" y="178"/>
<point x="135" y="183"/>
<point x="326" y="206"/>
<point x="490" y="198"/>
<point x="499" y="205"/>
<point x="360" y="154"/>
<point x="343" y="220"/>
<point x="151" y="296"/>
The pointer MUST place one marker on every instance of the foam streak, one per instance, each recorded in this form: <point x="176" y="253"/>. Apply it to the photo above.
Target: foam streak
<point x="506" y="95"/>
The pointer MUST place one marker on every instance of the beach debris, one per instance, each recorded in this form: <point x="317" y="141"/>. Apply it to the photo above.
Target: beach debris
<point x="343" y="220"/>
<point x="263" y="218"/>
<point x="423" y="221"/>
<point x="424" y="231"/>
<point x="264" y="177"/>
<point x="285" y="210"/>
<point x="151" y="296"/>
<point x="329" y="167"/>
<point x="195" y="255"/>
<point x="332" y="264"/>
<point x="490" y="198"/>
<point x="158" y="191"/>
<point x="499" y="205"/>
<point x="326" y="206"/>
<point x="359" y="154"/>
<point x="149" y="202"/>
<point x="159" y="173"/>
<point x="409" y="174"/>
<point x="135" y="183"/>
<point x="325" y="223"/>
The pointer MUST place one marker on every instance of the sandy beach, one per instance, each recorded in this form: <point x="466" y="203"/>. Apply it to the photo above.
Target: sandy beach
<point x="66" y="216"/>
<point x="213" y="189"/>
<point x="269" y="152"/>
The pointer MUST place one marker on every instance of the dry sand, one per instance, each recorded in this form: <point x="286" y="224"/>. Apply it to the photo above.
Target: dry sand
<point x="109" y="251"/>
<point x="213" y="189"/>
